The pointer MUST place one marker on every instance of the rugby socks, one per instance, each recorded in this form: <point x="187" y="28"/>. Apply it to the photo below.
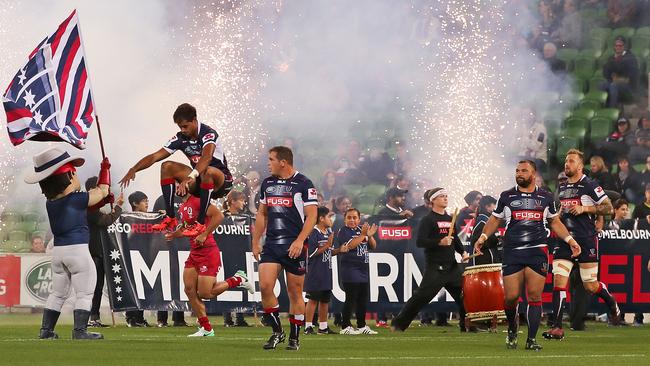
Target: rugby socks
<point x="322" y="325"/>
<point x="511" y="315"/>
<point x="168" y="187"/>
<point x="604" y="294"/>
<point x="206" y="192"/>
<point x="559" y="299"/>
<point x="233" y="281"/>
<point x="308" y="324"/>
<point x="205" y="323"/>
<point x="296" y="321"/>
<point x="273" y="318"/>
<point x="534" y="315"/>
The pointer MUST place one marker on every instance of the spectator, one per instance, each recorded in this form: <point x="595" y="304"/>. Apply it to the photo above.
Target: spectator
<point x="252" y="191"/>
<point x="547" y="25"/>
<point x="341" y="204"/>
<point x="569" y="32"/>
<point x="38" y="245"/>
<point x="621" y="72"/>
<point x="549" y="53"/>
<point x="139" y="203"/>
<point x="628" y="180"/>
<point x="642" y="210"/>
<point x="330" y="186"/>
<point x="641" y="148"/>
<point x="541" y="183"/>
<point x="395" y="204"/>
<point x="467" y="215"/>
<point x="533" y="140"/>
<point x="600" y="174"/>
<point x="98" y="222"/>
<point x="421" y="211"/>
<point x="401" y="160"/>
<point x="491" y="252"/>
<point x="621" y="13"/>
<point x="618" y="143"/>
<point x="644" y="177"/>
<point x="377" y="167"/>
<point x="234" y="205"/>
<point x="621" y="219"/>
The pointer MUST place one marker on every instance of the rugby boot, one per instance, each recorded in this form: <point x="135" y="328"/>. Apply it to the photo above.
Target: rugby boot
<point x="274" y="340"/>
<point x="532" y="345"/>
<point x="194" y="230"/>
<point x="245" y="283"/>
<point x="308" y="331"/>
<point x="615" y="316"/>
<point x="167" y="224"/>
<point x="554" y="333"/>
<point x="50" y="317"/>
<point x="326" y="331"/>
<point x="293" y="344"/>
<point x="511" y="340"/>
<point x="202" y="333"/>
<point x="80" y="330"/>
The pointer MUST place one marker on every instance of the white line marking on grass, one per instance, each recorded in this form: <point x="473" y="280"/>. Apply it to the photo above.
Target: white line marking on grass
<point x="382" y="358"/>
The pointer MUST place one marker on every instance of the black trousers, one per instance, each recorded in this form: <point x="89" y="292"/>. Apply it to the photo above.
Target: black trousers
<point x="433" y="279"/>
<point x="99" y="288"/>
<point x="579" y="299"/>
<point x="357" y="295"/>
<point x="177" y="316"/>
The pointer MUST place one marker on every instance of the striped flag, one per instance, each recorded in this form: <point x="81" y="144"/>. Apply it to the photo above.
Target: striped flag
<point x="49" y="99"/>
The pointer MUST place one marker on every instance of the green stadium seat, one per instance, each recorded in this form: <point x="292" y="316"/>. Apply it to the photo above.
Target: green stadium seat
<point x="564" y="144"/>
<point x="11" y="216"/>
<point x="598" y="37"/>
<point x="626" y="32"/>
<point x="366" y="208"/>
<point x="599" y="96"/>
<point x="643" y="31"/>
<point x="567" y="55"/>
<point x="353" y="190"/>
<point x="17" y="235"/>
<point x="601" y="127"/>
<point x="590" y="104"/>
<point x="40" y="233"/>
<point x="594" y="84"/>
<point x="33" y="216"/>
<point x="26" y="226"/>
<point x="577" y="132"/>
<point x="584" y="67"/>
<point x="611" y="113"/>
<point x="573" y="122"/>
<point x="377" y="190"/>
<point x="583" y="113"/>
<point x="593" y="53"/>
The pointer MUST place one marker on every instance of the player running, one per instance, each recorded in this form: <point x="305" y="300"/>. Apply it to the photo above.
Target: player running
<point x="525" y="209"/>
<point x="208" y="178"/>
<point x="202" y="265"/>
<point x="287" y="213"/>
<point x="582" y="199"/>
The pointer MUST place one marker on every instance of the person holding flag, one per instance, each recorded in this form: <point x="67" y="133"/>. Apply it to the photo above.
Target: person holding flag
<point x="207" y="178"/>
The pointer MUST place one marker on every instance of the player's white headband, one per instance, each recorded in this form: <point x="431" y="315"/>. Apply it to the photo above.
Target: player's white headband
<point x="441" y="192"/>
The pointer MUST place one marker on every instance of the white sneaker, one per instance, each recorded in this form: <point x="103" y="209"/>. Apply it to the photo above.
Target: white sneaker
<point x="366" y="330"/>
<point x="202" y="333"/>
<point x="244" y="281"/>
<point x="349" y="330"/>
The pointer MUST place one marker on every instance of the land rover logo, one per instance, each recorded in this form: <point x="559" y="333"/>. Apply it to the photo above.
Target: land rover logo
<point x="39" y="280"/>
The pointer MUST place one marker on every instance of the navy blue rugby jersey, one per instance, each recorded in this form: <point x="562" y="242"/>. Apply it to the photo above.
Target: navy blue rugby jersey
<point x="68" y="219"/>
<point x="585" y="192"/>
<point x="526" y="216"/>
<point x="285" y="200"/>
<point x="354" y="265"/>
<point x="193" y="148"/>
<point x="319" y="269"/>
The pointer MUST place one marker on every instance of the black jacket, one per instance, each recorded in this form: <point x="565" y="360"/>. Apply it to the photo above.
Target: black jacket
<point x="432" y="229"/>
<point x="98" y="221"/>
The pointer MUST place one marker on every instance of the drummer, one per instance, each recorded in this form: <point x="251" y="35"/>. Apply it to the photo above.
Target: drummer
<point x="442" y="270"/>
<point x="492" y="247"/>
<point x="526" y="209"/>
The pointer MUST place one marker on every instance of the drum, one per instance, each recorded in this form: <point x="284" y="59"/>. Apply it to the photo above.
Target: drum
<point x="483" y="293"/>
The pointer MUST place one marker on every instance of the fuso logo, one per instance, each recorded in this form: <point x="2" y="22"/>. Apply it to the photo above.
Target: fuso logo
<point x="570" y="203"/>
<point x="395" y="233"/>
<point x="195" y="159"/>
<point x="208" y="137"/>
<point x="527" y="215"/>
<point x="280" y="201"/>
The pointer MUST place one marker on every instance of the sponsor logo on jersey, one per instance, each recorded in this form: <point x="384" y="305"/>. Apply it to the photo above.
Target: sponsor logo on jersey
<point x="279" y="201"/>
<point x="279" y="190"/>
<point x="527" y="215"/>
<point x="195" y="159"/>
<point x="395" y="233"/>
<point x="203" y="269"/>
<point x="516" y="203"/>
<point x="444" y="224"/>
<point x="599" y="191"/>
<point x="208" y="137"/>
<point x="312" y="194"/>
<point x="39" y="280"/>
<point x="568" y="203"/>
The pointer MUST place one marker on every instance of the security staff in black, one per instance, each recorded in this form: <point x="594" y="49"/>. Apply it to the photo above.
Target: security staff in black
<point x="442" y="269"/>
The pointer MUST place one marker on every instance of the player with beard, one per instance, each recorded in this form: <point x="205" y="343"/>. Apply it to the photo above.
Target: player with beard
<point x="525" y="209"/>
<point x="582" y="199"/>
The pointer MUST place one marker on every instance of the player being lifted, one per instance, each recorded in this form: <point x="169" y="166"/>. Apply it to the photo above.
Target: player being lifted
<point x="202" y="265"/>
<point x="208" y="178"/>
<point x="582" y="199"/>
<point x="287" y="213"/>
<point x="525" y="209"/>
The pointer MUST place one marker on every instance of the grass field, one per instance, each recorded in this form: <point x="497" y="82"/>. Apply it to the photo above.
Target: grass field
<point x="599" y="345"/>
